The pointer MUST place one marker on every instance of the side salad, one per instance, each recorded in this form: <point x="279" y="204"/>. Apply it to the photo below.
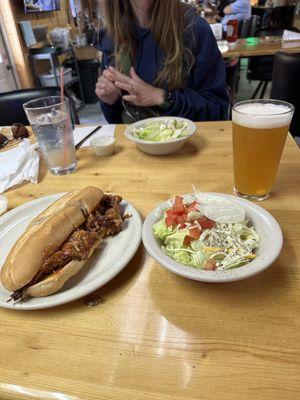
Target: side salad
<point x="207" y="233"/>
<point x="161" y="131"/>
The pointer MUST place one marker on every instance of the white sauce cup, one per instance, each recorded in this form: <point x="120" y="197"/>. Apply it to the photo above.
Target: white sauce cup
<point x="104" y="145"/>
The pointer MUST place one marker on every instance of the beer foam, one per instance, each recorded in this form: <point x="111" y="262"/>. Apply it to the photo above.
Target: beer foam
<point x="262" y="115"/>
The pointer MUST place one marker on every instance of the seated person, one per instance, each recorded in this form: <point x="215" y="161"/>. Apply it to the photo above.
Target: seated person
<point x="220" y="9"/>
<point x="153" y="65"/>
<point x="239" y="9"/>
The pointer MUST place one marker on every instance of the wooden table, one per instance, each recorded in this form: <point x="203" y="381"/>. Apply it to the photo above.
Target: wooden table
<point x="158" y="336"/>
<point x="251" y="47"/>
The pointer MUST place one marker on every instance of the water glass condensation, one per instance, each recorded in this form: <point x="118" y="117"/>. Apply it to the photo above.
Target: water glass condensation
<point x="50" y="120"/>
<point x="260" y="129"/>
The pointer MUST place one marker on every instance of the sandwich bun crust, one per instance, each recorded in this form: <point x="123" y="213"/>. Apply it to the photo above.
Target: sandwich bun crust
<point x="45" y="234"/>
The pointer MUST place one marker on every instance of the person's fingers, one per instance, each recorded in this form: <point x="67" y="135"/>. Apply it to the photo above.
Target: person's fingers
<point x="106" y="85"/>
<point x="130" y="98"/>
<point x="108" y="75"/>
<point x="134" y="75"/>
<point x="110" y="86"/>
<point x="100" y="93"/>
<point x="124" y="86"/>
<point x="103" y="79"/>
<point x="117" y="75"/>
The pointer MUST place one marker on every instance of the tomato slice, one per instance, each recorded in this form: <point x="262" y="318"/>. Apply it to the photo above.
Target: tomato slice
<point x="195" y="233"/>
<point x="178" y="200"/>
<point x="179" y="209"/>
<point x="169" y="220"/>
<point x="187" y="240"/>
<point x="173" y="219"/>
<point x="180" y="219"/>
<point x="206" y="223"/>
<point x="182" y="225"/>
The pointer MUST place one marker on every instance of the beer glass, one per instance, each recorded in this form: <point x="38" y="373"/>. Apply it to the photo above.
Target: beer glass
<point x="260" y="129"/>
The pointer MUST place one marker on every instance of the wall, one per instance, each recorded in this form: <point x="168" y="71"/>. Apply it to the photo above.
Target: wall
<point x="51" y="19"/>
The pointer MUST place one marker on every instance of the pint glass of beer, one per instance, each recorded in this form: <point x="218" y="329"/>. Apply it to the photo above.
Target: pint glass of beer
<point x="260" y="129"/>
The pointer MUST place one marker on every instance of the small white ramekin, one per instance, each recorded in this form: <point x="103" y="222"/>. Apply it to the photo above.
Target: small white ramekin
<point x="104" y="145"/>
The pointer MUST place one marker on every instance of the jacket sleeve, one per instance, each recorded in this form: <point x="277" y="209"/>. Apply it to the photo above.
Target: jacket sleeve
<point x="206" y="96"/>
<point x="112" y="113"/>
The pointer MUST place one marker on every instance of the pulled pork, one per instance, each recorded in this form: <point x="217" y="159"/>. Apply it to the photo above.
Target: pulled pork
<point x="104" y="221"/>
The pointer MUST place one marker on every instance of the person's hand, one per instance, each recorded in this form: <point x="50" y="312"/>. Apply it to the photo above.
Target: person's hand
<point x="139" y="92"/>
<point x="107" y="90"/>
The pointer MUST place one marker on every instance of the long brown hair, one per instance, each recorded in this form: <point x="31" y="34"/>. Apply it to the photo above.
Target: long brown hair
<point x="168" y="23"/>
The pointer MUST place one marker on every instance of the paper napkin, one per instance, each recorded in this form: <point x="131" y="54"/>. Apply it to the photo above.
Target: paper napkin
<point x="19" y="164"/>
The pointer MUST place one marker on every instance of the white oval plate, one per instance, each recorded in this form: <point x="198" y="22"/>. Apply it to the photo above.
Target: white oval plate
<point x="265" y="225"/>
<point x="105" y="264"/>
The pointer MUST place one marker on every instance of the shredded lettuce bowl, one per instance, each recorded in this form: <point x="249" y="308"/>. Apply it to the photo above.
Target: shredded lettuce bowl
<point x="160" y="135"/>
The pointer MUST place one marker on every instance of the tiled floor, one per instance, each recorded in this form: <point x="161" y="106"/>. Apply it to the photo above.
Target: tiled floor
<point x="91" y="114"/>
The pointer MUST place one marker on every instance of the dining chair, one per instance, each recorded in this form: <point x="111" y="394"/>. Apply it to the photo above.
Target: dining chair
<point x="286" y="81"/>
<point x="11" y="104"/>
<point x="260" y="68"/>
<point x="232" y="67"/>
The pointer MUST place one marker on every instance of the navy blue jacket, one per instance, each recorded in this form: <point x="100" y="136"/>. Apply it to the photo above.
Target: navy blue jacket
<point x="204" y="98"/>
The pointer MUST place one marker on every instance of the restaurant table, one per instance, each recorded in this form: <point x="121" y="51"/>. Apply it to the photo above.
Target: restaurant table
<point x="255" y="46"/>
<point x="156" y="335"/>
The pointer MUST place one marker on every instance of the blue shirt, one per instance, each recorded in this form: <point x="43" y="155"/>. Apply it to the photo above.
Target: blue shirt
<point x="241" y="10"/>
<point x="205" y="96"/>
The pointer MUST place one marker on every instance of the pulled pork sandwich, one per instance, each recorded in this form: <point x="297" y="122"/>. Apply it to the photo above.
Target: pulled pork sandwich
<point x="58" y="242"/>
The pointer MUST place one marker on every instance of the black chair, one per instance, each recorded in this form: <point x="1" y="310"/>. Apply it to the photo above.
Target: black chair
<point x="11" y="104"/>
<point x="260" y="68"/>
<point x="243" y="28"/>
<point x="286" y="84"/>
<point x="282" y="17"/>
<point x="253" y="25"/>
<point x="232" y="75"/>
<point x="248" y="27"/>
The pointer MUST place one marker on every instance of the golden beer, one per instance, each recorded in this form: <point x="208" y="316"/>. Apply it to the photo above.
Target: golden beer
<point x="260" y="129"/>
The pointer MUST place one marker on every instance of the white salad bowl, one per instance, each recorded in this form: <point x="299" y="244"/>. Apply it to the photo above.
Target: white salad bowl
<point x="159" y="148"/>
<point x="264" y="223"/>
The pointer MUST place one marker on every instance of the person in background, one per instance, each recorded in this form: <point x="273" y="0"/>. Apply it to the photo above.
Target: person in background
<point x="221" y="6"/>
<point x="239" y="9"/>
<point x="159" y="58"/>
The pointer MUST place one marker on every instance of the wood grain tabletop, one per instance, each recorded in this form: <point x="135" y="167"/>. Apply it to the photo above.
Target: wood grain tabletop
<point x="255" y="46"/>
<point x="156" y="335"/>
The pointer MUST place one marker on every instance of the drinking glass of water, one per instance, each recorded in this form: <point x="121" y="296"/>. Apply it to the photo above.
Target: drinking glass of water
<point x="50" y="120"/>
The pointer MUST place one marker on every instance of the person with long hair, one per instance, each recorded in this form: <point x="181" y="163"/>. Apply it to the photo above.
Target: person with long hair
<point x="159" y="58"/>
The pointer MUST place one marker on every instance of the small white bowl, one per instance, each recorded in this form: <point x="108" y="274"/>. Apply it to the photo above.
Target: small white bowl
<point x="160" y="148"/>
<point x="104" y="145"/>
<point x="264" y="223"/>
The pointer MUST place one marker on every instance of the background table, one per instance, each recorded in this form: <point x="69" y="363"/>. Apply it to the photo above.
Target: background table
<point x="251" y="47"/>
<point x="157" y="335"/>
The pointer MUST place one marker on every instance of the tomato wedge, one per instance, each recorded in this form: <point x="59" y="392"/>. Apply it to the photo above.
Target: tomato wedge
<point x="178" y="200"/>
<point x="179" y="209"/>
<point x="173" y="219"/>
<point x="169" y="220"/>
<point x="195" y="233"/>
<point x="206" y="223"/>
<point x="187" y="240"/>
